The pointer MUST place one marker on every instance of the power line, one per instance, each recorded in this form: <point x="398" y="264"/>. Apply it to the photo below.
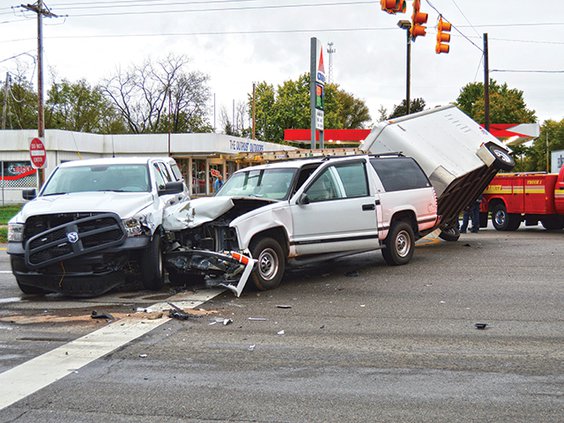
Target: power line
<point x="467" y="20"/>
<point x="224" y="9"/>
<point x="526" y="71"/>
<point x="137" y="3"/>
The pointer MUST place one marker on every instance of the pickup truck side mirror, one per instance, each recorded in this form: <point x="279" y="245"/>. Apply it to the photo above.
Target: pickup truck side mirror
<point x="303" y="199"/>
<point x="29" y="194"/>
<point x="171" y="188"/>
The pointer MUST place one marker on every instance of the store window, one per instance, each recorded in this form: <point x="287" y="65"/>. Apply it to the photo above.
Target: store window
<point x="216" y="177"/>
<point x="198" y="177"/>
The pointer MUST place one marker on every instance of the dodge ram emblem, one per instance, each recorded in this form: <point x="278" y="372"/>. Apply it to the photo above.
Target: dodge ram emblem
<point x="72" y="237"/>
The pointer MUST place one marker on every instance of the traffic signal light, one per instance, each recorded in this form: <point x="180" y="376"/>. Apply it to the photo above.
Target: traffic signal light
<point x="393" y="6"/>
<point x="443" y="36"/>
<point x="417" y="20"/>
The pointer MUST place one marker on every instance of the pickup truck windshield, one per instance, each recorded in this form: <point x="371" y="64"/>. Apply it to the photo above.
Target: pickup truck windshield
<point x="116" y="177"/>
<point x="266" y="183"/>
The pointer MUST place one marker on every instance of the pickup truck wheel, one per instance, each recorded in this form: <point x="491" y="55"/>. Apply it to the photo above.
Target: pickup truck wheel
<point x="399" y="244"/>
<point x="270" y="265"/>
<point x="152" y="269"/>
<point x="503" y="160"/>
<point x="450" y="233"/>
<point x="31" y="290"/>
<point x="504" y="221"/>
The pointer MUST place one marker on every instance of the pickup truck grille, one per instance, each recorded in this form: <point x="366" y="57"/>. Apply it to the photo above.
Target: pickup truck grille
<point x="74" y="238"/>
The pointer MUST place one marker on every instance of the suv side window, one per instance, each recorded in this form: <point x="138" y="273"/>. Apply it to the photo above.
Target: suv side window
<point x="399" y="173"/>
<point x="347" y="180"/>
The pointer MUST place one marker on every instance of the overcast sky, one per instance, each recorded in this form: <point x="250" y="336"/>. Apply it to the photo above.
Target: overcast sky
<point x="269" y="40"/>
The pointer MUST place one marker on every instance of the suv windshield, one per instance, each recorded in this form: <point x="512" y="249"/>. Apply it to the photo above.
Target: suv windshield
<point x="266" y="183"/>
<point x="115" y="177"/>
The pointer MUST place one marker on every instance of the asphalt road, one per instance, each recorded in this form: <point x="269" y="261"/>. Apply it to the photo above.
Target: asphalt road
<point x="356" y="341"/>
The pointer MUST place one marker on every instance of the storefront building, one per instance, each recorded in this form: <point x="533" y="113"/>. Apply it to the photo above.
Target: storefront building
<point x="199" y="156"/>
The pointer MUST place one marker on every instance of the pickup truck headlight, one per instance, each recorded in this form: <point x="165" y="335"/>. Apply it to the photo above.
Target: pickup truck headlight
<point x="136" y="226"/>
<point x="15" y="232"/>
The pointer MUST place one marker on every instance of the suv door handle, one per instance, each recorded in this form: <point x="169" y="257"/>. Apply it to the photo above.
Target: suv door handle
<point x="367" y="207"/>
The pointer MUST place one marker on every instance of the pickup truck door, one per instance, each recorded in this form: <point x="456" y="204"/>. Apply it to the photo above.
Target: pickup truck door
<point x="335" y="212"/>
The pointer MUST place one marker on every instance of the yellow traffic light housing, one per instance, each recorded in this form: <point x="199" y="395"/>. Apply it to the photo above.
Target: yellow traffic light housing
<point x="443" y="36"/>
<point x="393" y="6"/>
<point x="418" y="19"/>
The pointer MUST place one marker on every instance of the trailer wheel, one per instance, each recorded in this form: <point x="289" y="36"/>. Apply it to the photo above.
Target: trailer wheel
<point x="504" y="221"/>
<point x="450" y="233"/>
<point x="503" y="160"/>
<point x="152" y="269"/>
<point x="553" y="223"/>
<point x="271" y="263"/>
<point x="399" y="244"/>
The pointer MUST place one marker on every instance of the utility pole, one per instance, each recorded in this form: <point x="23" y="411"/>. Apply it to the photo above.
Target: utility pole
<point x="330" y="51"/>
<point x="254" y="112"/>
<point x="5" y="108"/>
<point x="486" y="84"/>
<point x="406" y="25"/>
<point x="41" y="11"/>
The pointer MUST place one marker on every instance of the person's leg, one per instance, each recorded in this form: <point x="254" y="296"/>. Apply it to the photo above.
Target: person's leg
<point x="475" y="218"/>
<point x="465" y="219"/>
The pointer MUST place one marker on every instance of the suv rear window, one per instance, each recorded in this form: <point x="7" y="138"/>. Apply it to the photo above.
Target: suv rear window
<point x="399" y="173"/>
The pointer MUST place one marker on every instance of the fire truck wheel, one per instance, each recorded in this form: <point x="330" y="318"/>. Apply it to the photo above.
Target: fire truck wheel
<point x="399" y="244"/>
<point x="503" y="160"/>
<point x="502" y="220"/>
<point x="270" y="265"/>
<point x="553" y="223"/>
<point x="152" y="269"/>
<point x="450" y="233"/>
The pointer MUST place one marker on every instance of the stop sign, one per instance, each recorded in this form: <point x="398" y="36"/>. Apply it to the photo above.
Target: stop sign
<point x="37" y="153"/>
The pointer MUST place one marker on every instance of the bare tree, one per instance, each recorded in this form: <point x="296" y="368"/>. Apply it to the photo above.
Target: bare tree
<point x="235" y="125"/>
<point x="161" y="96"/>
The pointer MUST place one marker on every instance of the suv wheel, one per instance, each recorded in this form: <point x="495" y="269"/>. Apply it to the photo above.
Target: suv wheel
<point x="270" y="265"/>
<point x="399" y="244"/>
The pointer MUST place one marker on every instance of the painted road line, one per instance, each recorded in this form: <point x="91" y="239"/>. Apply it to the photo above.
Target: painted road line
<point x="41" y="371"/>
<point x="6" y="272"/>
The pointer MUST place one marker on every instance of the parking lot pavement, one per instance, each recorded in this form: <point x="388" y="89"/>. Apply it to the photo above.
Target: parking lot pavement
<point x="348" y="340"/>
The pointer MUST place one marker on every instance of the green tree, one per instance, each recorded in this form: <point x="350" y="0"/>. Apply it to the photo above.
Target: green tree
<point x="551" y="138"/>
<point x="80" y="107"/>
<point x="415" y="105"/>
<point x="20" y="106"/>
<point x="288" y="107"/>
<point x="507" y="105"/>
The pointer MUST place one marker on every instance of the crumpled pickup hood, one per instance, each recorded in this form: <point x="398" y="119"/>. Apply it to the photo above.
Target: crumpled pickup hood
<point x="124" y="204"/>
<point x="196" y="212"/>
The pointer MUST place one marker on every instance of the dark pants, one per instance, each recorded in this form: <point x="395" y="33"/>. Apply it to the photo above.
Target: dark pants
<point x="474" y="214"/>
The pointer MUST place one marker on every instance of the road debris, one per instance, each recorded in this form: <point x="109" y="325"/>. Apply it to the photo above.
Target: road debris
<point x="480" y="326"/>
<point x="258" y="319"/>
<point x="142" y="355"/>
<point x="283" y="306"/>
<point x="352" y="274"/>
<point x="252" y="347"/>
<point x="280" y="332"/>
<point x="96" y="315"/>
<point x="177" y="313"/>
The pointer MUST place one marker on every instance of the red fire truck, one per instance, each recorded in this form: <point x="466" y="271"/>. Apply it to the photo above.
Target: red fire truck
<point x="530" y="197"/>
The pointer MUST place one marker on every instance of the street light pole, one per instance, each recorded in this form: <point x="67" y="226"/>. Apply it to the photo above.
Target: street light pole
<point x="405" y="24"/>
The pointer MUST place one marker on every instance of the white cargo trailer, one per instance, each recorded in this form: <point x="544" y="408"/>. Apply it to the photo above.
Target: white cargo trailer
<point x="458" y="156"/>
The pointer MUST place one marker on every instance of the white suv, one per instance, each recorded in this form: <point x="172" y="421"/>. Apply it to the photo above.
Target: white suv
<point x="320" y="207"/>
<point x="93" y="223"/>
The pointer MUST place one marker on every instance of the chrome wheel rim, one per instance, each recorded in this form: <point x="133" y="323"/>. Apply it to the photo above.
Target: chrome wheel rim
<point x="403" y="245"/>
<point x="268" y="264"/>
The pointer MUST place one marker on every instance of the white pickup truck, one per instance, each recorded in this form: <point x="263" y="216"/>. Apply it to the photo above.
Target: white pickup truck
<point x="320" y="207"/>
<point x="93" y="223"/>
